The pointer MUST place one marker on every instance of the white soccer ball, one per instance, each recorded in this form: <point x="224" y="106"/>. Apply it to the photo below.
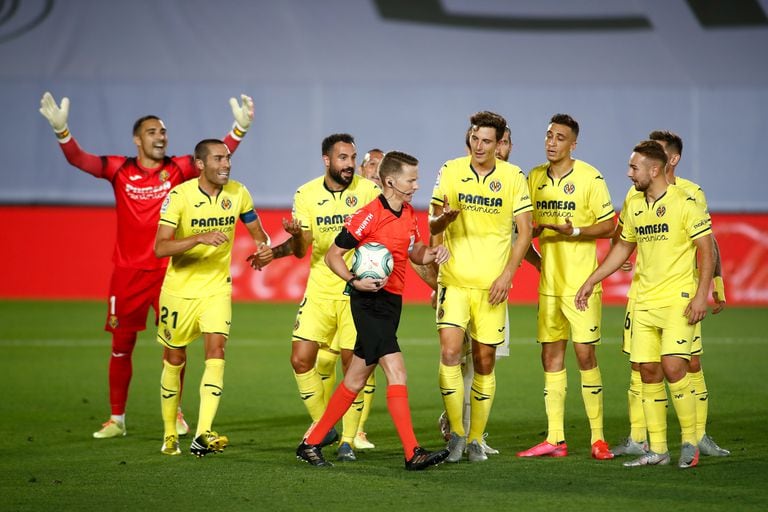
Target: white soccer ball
<point x="372" y="260"/>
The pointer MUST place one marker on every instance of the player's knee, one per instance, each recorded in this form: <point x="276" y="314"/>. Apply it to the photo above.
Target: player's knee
<point x="123" y="343"/>
<point x="301" y="364"/>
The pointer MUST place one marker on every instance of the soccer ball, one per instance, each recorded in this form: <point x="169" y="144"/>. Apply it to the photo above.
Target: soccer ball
<point x="372" y="260"/>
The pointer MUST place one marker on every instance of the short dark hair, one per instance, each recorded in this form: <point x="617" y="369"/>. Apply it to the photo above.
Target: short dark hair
<point x="201" y="149"/>
<point x="653" y="150"/>
<point x="568" y="121"/>
<point x="489" y="120"/>
<point x="671" y="139"/>
<point x="392" y="163"/>
<point x="330" y="140"/>
<point x="140" y="121"/>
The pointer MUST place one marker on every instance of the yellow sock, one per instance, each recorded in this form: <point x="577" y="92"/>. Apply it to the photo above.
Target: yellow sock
<point x="211" y="388"/>
<point x="701" y="396"/>
<point x="555" y="387"/>
<point x="482" y="394"/>
<point x="368" y="391"/>
<point x="311" y="392"/>
<point x="170" y="382"/>
<point x="351" y="419"/>
<point x="635" y="402"/>
<point x="592" y="394"/>
<point x="685" y="407"/>
<point x="452" y="389"/>
<point x="326" y="369"/>
<point x="655" y="409"/>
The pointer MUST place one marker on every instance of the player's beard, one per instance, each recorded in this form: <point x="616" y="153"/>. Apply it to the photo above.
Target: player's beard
<point x="338" y="177"/>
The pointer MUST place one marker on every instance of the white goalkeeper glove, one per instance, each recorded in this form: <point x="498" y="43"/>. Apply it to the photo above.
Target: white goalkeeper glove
<point x="56" y="116"/>
<point x="243" y="114"/>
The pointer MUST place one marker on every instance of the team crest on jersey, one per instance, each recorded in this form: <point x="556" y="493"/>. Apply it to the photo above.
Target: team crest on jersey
<point x="226" y="203"/>
<point x="440" y="313"/>
<point x="113" y="322"/>
<point x="164" y="176"/>
<point x="296" y="324"/>
<point x="661" y="210"/>
<point x="352" y="201"/>
<point x="494" y="185"/>
<point x="167" y="334"/>
<point x="569" y="188"/>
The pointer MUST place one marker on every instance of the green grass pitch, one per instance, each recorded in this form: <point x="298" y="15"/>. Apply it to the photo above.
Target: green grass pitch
<point x="53" y="371"/>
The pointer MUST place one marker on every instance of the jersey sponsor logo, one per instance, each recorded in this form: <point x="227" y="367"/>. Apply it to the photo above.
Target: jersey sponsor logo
<point x="661" y="210"/>
<point x="165" y="204"/>
<point x="326" y="223"/>
<point x="135" y="177"/>
<point x="569" y="188"/>
<point x="638" y="213"/>
<point x="359" y="231"/>
<point x="556" y="205"/>
<point x="480" y="200"/>
<point x="198" y="205"/>
<point x="494" y="185"/>
<point x="164" y="176"/>
<point x="541" y="187"/>
<point x="593" y="329"/>
<point x="681" y="342"/>
<point x="652" y="229"/>
<point x="213" y="222"/>
<point x="321" y="203"/>
<point x="226" y="203"/>
<point x="701" y="224"/>
<point x="466" y="180"/>
<point x="351" y="201"/>
<point x="606" y="205"/>
<point x="147" y="193"/>
<point x="597" y="391"/>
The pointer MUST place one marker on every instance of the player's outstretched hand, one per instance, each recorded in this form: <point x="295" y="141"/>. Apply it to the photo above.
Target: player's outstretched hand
<point x="292" y="227"/>
<point x="55" y="114"/>
<point x="261" y="258"/>
<point x="242" y="112"/>
<point x="449" y="214"/>
<point x="563" y="229"/>
<point x="438" y="254"/>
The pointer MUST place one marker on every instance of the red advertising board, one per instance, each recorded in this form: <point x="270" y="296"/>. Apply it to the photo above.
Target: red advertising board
<point x="66" y="253"/>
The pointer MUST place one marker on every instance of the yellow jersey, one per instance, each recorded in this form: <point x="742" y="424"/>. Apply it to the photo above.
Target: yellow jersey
<point x="323" y="213"/>
<point x="203" y="270"/>
<point x="480" y="239"/>
<point x="666" y="255"/>
<point x="690" y="188"/>
<point x="582" y="196"/>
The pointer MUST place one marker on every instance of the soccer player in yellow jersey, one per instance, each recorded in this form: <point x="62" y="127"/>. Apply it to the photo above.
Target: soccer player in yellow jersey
<point x="668" y="228"/>
<point x="476" y="203"/>
<point x="197" y="230"/>
<point x="636" y="442"/>
<point x="571" y="209"/>
<point x="320" y="208"/>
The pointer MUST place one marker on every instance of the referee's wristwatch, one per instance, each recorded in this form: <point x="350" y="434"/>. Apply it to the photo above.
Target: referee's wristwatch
<point x="350" y="286"/>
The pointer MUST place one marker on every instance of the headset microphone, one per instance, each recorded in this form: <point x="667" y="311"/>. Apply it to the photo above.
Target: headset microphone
<point x="389" y="182"/>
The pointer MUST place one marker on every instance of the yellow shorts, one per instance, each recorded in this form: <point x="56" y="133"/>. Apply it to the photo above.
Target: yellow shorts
<point x="696" y="347"/>
<point x="183" y="320"/>
<point x="626" y="338"/>
<point x="469" y="309"/>
<point x="558" y="317"/>
<point x="660" y="332"/>
<point x="327" y="322"/>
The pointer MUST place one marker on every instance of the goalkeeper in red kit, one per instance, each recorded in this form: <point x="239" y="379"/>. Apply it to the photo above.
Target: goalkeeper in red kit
<point x="140" y="185"/>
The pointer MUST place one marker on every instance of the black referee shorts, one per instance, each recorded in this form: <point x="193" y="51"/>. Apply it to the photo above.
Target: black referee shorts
<point x="376" y="316"/>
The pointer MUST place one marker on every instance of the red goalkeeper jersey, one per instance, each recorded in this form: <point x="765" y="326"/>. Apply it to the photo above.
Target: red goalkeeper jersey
<point x="139" y="192"/>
